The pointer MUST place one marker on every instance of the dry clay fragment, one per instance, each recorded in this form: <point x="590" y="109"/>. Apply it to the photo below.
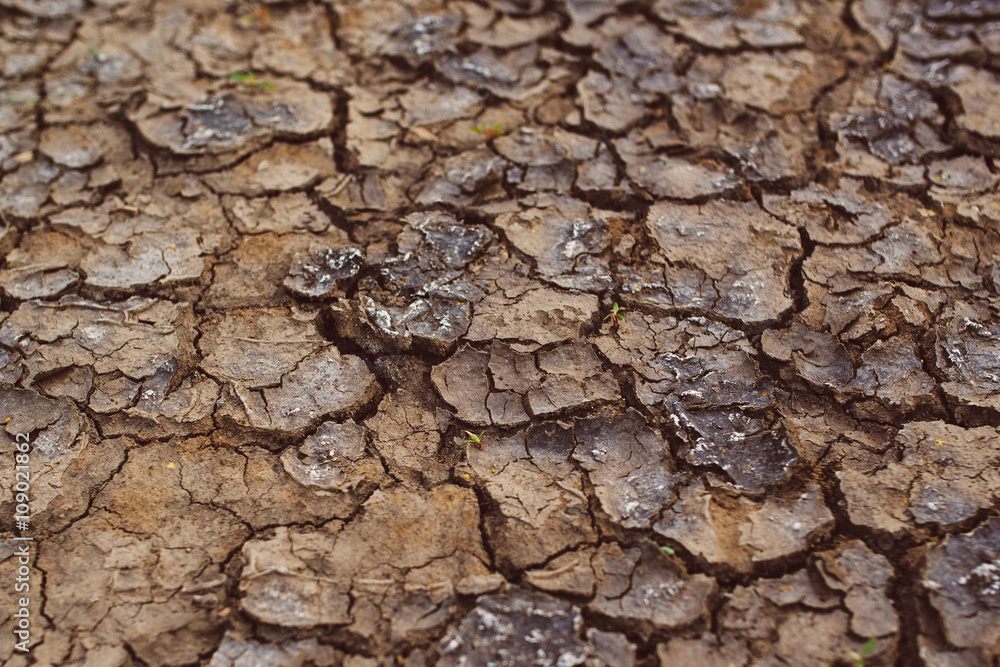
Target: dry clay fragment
<point x="256" y="347"/>
<point x="629" y="465"/>
<point x="963" y="579"/>
<point x="744" y="532"/>
<point x="318" y="272"/>
<point x="727" y="25"/>
<point x="967" y="350"/>
<point x="947" y="475"/>
<point x="561" y="234"/>
<point x="236" y="123"/>
<point x="863" y="577"/>
<point x="302" y="577"/>
<point x="236" y="652"/>
<point x="743" y="249"/>
<point x="406" y="431"/>
<point x="541" y="509"/>
<point x="133" y="336"/>
<point x="323" y="384"/>
<point x="42" y="266"/>
<point x="517" y="628"/>
<point x="570" y="378"/>
<point x="819" y="357"/>
<point x="772" y="617"/>
<point x="277" y="168"/>
<point x="648" y="588"/>
<point x="534" y="318"/>
<point x="325" y="459"/>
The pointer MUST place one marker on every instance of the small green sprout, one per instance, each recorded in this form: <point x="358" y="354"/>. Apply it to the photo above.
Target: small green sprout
<point x="866" y="650"/>
<point x="670" y="551"/>
<point x="250" y="79"/>
<point x="260" y="15"/>
<point x="488" y="132"/>
<point x="615" y="315"/>
<point x="29" y="100"/>
<point x="474" y="439"/>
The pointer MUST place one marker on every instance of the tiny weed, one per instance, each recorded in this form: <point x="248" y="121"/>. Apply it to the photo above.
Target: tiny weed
<point x="94" y="51"/>
<point x="866" y="650"/>
<point x="670" y="551"/>
<point x="29" y="100"/>
<point x="615" y="315"/>
<point x="488" y="132"/>
<point x="474" y="439"/>
<point x="250" y="79"/>
<point x="261" y="15"/>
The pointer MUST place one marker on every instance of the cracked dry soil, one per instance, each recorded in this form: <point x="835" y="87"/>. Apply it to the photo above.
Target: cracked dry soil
<point x="265" y="266"/>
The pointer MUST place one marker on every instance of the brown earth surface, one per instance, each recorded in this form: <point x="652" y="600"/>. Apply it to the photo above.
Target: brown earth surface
<point x="714" y="285"/>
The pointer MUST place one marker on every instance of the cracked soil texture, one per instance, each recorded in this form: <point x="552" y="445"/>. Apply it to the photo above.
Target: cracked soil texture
<point x="714" y="285"/>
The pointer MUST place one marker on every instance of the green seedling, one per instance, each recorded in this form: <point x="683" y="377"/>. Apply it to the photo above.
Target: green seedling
<point x="615" y="315"/>
<point x="866" y="650"/>
<point x="261" y="15"/>
<point x="250" y="79"/>
<point x="488" y="132"/>
<point x="670" y="551"/>
<point x="95" y="52"/>
<point x="30" y="100"/>
<point x="474" y="439"/>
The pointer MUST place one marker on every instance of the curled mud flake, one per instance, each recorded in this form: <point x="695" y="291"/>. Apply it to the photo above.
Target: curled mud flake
<point x="615" y="103"/>
<point x="232" y="125"/>
<point x="463" y="384"/>
<point x="513" y="75"/>
<point x="559" y="232"/>
<point x="406" y="431"/>
<point x="819" y="358"/>
<point x="570" y="573"/>
<point x="646" y="587"/>
<point x="979" y="92"/>
<point x="42" y="266"/>
<point x="318" y="272"/>
<point x="789" y="608"/>
<point x="324" y="459"/>
<point x="76" y="147"/>
<point x="968" y="341"/>
<point x="323" y="384"/>
<point x="405" y="588"/>
<point x="278" y="168"/>
<point x="464" y="179"/>
<point x="629" y="465"/>
<point x="282" y="213"/>
<point x="752" y="456"/>
<point x="945" y="477"/>
<point x="779" y="528"/>
<point x="892" y="371"/>
<point x="279" y="587"/>
<point x="962" y="578"/>
<point x="744" y="250"/>
<point x="517" y="628"/>
<point x="24" y="191"/>
<point x="132" y="336"/>
<point x="431" y="104"/>
<point x="727" y="25"/>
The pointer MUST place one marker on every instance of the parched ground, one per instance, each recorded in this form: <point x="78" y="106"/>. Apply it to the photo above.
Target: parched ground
<point x="716" y="282"/>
